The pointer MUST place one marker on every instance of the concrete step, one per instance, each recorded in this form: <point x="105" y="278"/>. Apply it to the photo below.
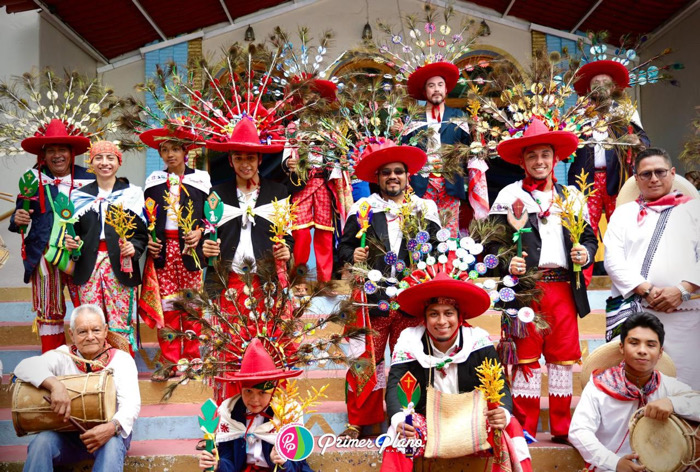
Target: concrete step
<point x="20" y="332"/>
<point x="173" y="421"/>
<point x="180" y="456"/>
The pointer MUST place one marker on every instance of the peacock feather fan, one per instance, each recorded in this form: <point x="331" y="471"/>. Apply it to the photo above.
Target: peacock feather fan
<point x="29" y="102"/>
<point x="293" y="338"/>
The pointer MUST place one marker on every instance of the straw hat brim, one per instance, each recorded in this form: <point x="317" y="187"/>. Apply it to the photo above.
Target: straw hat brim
<point x="411" y="156"/>
<point x="609" y="355"/>
<point x="630" y="190"/>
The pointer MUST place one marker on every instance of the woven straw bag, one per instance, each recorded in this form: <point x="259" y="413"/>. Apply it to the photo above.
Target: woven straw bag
<point x="456" y="424"/>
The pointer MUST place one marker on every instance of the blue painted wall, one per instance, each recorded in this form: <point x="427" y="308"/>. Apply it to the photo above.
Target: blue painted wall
<point x="178" y="53"/>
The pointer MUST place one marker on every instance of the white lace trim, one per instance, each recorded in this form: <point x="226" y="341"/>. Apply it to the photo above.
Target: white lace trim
<point x="531" y="388"/>
<point x="381" y="376"/>
<point x="561" y="380"/>
<point x="50" y="329"/>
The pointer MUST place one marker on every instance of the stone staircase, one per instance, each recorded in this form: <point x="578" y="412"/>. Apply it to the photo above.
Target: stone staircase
<point x="166" y="433"/>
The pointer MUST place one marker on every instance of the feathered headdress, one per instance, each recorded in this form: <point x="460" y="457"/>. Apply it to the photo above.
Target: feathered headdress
<point x="546" y="93"/>
<point x="620" y="63"/>
<point x="691" y="149"/>
<point x="33" y="103"/>
<point x="268" y="313"/>
<point x="302" y="63"/>
<point x="462" y="259"/>
<point x="431" y="49"/>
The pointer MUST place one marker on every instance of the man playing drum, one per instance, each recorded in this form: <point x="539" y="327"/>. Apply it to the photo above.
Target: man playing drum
<point x="107" y="443"/>
<point x="599" y="428"/>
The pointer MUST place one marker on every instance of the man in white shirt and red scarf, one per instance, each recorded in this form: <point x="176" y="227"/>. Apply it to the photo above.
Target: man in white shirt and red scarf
<point x="652" y="254"/>
<point x="599" y="428"/>
<point x="547" y="247"/>
<point x="107" y="443"/>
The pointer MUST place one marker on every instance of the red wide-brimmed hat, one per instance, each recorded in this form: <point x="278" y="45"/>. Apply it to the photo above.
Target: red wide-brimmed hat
<point x="375" y="155"/>
<point x="614" y="69"/>
<point x="55" y="133"/>
<point x="257" y="365"/>
<point x="471" y="300"/>
<point x="417" y="80"/>
<point x="155" y="137"/>
<point x="564" y="142"/>
<point x="244" y="138"/>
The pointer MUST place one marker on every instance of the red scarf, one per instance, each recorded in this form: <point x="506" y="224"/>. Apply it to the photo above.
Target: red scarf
<point x="672" y="199"/>
<point x="435" y="111"/>
<point x="615" y="383"/>
<point x="530" y="183"/>
<point x="104" y="358"/>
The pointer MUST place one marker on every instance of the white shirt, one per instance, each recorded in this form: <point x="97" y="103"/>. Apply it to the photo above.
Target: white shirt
<point x="553" y="251"/>
<point x="101" y="195"/>
<point x="56" y="362"/>
<point x="677" y="257"/>
<point x="599" y="427"/>
<point x="174" y="190"/>
<point x="244" y="250"/>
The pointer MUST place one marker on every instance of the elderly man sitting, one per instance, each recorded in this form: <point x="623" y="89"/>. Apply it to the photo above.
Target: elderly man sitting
<point x="443" y="352"/>
<point x="107" y="443"/>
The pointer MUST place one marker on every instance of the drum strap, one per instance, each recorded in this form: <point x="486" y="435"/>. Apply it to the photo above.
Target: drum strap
<point x="95" y="365"/>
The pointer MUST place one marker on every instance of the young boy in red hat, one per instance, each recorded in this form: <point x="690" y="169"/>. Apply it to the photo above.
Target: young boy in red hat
<point x="175" y="257"/>
<point x="56" y="172"/>
<point x="443" y="352"/>
<point x="548" y="248"/>
<point x="246" y="437"/>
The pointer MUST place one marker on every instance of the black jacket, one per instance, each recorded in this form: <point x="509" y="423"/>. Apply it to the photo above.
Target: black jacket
<point x="230" y="232"/>
<point x="198" y="198"/>
<point x="615" y="174"/>
<point x="450" y="133"/>
<point x="232" y="454"/>
<point x="37" y="239"/>
<point x="89" y="227"/>
<point x="378" y="229"/>
<point x="532" y="244"/>
<point x="467" y="378"/>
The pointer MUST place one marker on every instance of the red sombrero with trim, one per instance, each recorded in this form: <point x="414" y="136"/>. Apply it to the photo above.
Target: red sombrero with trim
<point x="55" y="133"/>
<point x="153" y="138"/>
<point x="564" y="142"/>
<point x="472" y="300"/>
<point x="257" y="365"/>
<point x="619" y="73"/>
<point x="417" y="80"/>
<point x="244" y="138"/>
<point x="375" y="155"/>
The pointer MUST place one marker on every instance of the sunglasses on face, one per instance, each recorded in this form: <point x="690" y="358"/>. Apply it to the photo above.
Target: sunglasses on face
<point x="387" y="172"/>
<point x="659" y="173"/>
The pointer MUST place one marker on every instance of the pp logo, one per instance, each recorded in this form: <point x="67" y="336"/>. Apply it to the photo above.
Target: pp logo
<point x="295" y="442"/>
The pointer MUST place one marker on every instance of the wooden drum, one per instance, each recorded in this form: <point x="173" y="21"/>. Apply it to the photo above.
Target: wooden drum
<point x="665" y="446"/>
<point x="93" y="402"/>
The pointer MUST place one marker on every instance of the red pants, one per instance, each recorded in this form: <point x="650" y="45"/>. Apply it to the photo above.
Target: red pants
<point x="172" y="278"/>
<point x="314" y="210"/>
<point x="598" y="202"/>
<point x="388" y="329"/>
